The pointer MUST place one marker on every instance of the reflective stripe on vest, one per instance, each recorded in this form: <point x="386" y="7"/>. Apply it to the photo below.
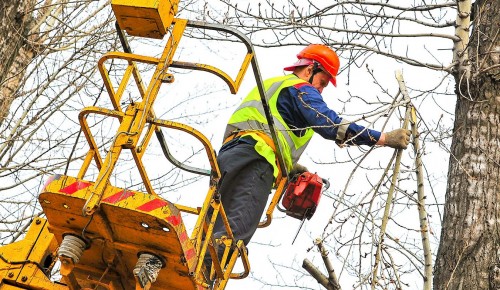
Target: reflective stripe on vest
<point x="250" y="116"/>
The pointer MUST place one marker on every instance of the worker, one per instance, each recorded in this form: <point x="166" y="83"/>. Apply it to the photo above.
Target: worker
<point x="247" y="159"/>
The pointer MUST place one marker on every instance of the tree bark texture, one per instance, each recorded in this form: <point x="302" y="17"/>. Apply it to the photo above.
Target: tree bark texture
<point x="16" y="50"/>
<point x="469" y="250"/>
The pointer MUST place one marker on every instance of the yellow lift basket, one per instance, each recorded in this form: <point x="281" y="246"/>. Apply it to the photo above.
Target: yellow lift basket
<point x="107" y="237"/>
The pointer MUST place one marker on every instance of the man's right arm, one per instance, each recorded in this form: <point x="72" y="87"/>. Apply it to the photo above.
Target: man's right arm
<point x="330" y="125"/>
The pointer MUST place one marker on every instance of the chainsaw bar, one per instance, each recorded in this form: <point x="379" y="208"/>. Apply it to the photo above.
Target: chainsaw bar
<point x="300" y="226"/>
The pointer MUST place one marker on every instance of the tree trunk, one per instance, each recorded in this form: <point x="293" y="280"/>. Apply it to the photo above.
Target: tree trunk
<point x="469" y="250"/>
<point x="15" y="48"/>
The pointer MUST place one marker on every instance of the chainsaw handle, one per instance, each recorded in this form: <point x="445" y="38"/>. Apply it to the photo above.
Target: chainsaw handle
<point x="326" y="184"/>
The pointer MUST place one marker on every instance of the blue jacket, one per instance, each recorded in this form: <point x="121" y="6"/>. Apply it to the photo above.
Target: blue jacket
<point x="311" y="111"/>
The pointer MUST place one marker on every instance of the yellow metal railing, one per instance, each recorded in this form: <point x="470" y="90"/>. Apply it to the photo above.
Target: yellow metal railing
<point x="101" y="216"/>
<point x="139" y="116"/>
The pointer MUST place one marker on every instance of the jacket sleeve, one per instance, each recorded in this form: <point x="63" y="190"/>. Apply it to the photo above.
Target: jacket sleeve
<point x="327" y="122"/>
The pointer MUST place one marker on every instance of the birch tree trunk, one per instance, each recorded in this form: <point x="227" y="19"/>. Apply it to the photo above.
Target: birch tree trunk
<point x="469" y="250"/>
<point x="16" y="51"/>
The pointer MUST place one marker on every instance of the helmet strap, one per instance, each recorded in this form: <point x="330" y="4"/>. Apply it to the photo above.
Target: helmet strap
<point x="315" y="70"/>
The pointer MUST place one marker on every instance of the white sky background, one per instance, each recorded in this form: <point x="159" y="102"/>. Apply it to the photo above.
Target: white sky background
<point x="271" y="246"/>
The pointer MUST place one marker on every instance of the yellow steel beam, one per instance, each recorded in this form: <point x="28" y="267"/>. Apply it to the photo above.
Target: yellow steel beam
<point x="93" y="151"/>
<point x="23" y="263"/>
<point x="133" y="122"/>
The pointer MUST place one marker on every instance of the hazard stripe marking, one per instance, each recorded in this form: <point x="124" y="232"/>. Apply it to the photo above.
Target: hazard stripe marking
<point x="74" y="187"/>
<point x="50" y="179"/>
<point x="190" y="254"/>
<point x="152" y="205"/>
<point x="183" y="237"/>
<point x="119" y="196"/>
<point x="174" y="220"/>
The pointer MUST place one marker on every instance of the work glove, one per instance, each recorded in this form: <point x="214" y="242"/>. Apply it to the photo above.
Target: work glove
<point x="297" y="169"/>
<point x="397" y="139"/>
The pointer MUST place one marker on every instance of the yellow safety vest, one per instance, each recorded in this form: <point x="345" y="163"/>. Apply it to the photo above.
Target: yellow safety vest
<point x="249" y="119"/>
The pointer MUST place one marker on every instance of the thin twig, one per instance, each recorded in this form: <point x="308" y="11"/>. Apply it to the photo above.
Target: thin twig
<point x="390" y="194"/>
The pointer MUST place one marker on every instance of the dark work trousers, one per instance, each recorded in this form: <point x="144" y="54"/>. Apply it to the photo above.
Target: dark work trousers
<point x="246" y="184"/>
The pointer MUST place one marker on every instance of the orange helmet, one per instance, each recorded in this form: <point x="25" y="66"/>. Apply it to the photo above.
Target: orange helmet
<point x="325" y="56"/>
